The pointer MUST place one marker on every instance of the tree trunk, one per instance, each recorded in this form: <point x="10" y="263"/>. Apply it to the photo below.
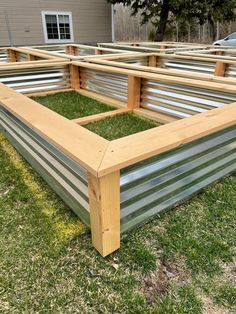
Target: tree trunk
<point x="163" y="21"/>
<point x="189" y="32"/>
<point x="212" y="28"/>
<point x="217" y="30"/>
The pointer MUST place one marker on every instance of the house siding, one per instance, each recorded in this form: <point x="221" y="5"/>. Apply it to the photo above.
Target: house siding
<point x="91" y="20"/>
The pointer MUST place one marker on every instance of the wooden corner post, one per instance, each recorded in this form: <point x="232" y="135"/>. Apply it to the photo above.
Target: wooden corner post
<point x="220" y="68"/>
<point x="12" y="55"/>
<point x="74" y="76"/>
<point x="104" y="201"/>
<point x="152" y="61"/>
<point x="134" y="92"/>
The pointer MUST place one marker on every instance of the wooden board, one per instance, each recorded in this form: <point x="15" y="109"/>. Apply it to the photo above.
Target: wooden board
<point x="137" y="147"/>
<point x="101" y="116"/>
<point x="80" y="144"/>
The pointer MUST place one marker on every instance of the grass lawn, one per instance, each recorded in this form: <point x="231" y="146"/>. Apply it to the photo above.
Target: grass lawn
<point x="118" y="126"/>
<point x="181" y="262"/>
<point x="73" y="105"/>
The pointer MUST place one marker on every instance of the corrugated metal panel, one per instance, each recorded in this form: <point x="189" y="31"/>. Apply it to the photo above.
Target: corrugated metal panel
<point x="53" y="48"/>
<point x="156" y="184"/>
<point x="3" y="56"/>
<point x="107" y="84"/>
<point x="231" y="71"/>
<point x="181" y="101"/>
<point x="189" y="65"/>
<point x="136" y="61"/>
<point x="36" y="79"/>
<point x="66" y="177"/>
<point x="22" y="57"/>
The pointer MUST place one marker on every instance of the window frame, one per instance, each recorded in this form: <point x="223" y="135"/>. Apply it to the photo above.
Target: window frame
<point x="51" y="41"/>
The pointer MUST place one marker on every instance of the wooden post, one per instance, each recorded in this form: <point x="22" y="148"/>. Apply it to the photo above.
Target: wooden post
<point x="220" y="53"/>
<point x="98" y="52"/>
<point x="152" y="61"/>
<point x="75" y="76"/>
<point x="104" y="201"/>
<point x="220" y="68"/>
<point x="30" y="57"/>
<point x="71" y="50"/>
<point x="134" y="92"/>
<point x="12" y="56"/>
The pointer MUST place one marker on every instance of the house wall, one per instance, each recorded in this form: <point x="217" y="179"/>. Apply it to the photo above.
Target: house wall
<point x="91" y="20"/>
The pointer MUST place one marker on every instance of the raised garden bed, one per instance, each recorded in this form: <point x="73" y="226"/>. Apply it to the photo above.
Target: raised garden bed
<point x="114" y="185"/>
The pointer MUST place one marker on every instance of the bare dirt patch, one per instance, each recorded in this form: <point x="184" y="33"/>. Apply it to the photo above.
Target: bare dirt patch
<point x="158" y="282"/>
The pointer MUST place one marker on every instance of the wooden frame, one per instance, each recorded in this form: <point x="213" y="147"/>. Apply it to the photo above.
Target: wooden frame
<point x="155" y="63"/>
<point x="103" y="160"/>
<point x="72" y="51"/>
<point x="24" y="56"/>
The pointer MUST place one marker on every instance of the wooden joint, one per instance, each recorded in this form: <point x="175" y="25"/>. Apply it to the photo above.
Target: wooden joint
<point x="220" y="68"/>
<point x="134" y="92"/>
<point x="101" y="116"/>
<point x="152" y="61"/>
<point x="12" y="55"/>
<point x="75" y="76"/>
<point x="30" y="57"/>
<point x="71" y="50"/>
<point x="104" y="202"/>
<point x="98" y="52"/>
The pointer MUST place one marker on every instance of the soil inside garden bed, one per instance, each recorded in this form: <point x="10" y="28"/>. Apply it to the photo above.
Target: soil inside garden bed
<point x="72" y="105"/>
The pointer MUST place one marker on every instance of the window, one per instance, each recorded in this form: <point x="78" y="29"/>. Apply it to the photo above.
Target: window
<point x="57" y="27"/>
<point x="232" y="36"/>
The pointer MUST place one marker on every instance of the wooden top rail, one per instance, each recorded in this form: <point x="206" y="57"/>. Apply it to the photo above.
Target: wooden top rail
<point x="126" y="151"/>
<point x="225" y="58"/>
<point x="93" y="47"/>
<point x="101" y="157"/>
<point x="159" y="77"/>
<point x="30" y="51"/>
<point x="34" y="64"/>
<point x="147" y="48"/>
<point x="54" y="54"/>
<point x="164" y="71"/>
<point x="183" y="56"/>
<point x="160" y="43"/>
<point x="80" y="144"/>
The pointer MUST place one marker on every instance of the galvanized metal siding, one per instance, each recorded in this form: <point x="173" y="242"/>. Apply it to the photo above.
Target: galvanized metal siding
<point x="137" y="61"/>
<point x="207" y="67"/>
<point x="36" y="79"/>
<point x="179" y="100"/>
<point x="156" y="184"/>
<point x="106" y="84"/>
<point x="3" y="56"/>
<point x="66" y="177"/>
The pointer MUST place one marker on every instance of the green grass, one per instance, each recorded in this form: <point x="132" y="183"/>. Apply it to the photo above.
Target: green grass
<point x="118" y="126"/>
<point x="181" y="262"/>
<point x="72" y="105"/>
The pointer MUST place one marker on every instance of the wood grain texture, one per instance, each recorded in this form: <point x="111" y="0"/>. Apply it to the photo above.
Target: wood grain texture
<point x="104" y="200"/>
<point x="137" y="147"/>
<point x="101" y="116"/>
<point x="160" y="78"/>
<point x="81" y="145"/>
<point x="134" y="92"/>
<point x="75" y="76"/>
<point x="220" y="68"/>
